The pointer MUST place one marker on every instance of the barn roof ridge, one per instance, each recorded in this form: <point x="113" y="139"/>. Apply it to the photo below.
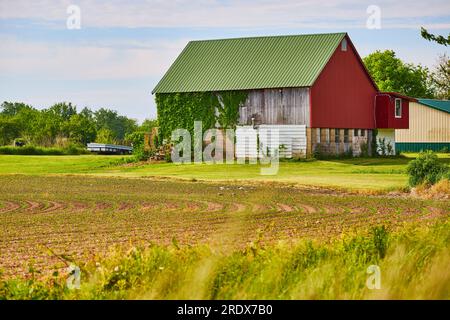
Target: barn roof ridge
<point x="270" y="36"/>
<point x="250" y="63"/>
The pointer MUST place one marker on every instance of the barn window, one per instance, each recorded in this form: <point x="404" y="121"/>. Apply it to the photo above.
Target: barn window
<point x="355" y="132"/>
<point x="344" y="45"/>
<point x="336" y="135"/>
<point x="398" y="108"/>
<point x="318" y="134"/>
<point x="363" y="132"/>
<point x="346" y="135"/>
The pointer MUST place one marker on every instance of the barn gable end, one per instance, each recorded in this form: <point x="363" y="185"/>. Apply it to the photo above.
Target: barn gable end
<point x="343" y="94"/>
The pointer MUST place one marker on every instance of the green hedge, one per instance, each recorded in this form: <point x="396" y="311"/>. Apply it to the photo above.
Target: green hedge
<point x="40" y="151"/>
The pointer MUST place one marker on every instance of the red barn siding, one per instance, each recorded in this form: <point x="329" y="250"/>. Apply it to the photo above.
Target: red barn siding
<point x="385" y="112"/>
<point x="343" y="94"/>
<point x="403" y="122"/>
<point x="382" y="110"/>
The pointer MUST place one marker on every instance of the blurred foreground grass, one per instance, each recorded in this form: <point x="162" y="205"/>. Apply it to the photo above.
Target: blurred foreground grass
<point x="413" y="263"/>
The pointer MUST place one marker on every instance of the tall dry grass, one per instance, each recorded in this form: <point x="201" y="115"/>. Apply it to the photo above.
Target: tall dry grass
<point x="413" y="263"/>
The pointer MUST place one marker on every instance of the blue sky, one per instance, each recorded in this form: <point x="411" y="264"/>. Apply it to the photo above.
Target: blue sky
<point x="124" y="47"/>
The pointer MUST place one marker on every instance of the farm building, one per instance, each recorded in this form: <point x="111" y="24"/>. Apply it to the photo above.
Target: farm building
<point x="314" y="89"/>
<point x="429" y="127"/>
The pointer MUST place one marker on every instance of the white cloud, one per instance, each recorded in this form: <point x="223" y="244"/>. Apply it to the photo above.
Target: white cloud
<point x="105" y="60"/>
<point x="232" y="13"/>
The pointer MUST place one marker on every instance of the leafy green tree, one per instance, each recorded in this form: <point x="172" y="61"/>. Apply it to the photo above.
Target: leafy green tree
<point x="105" y="136"/>
<point x="105" y="118"/>
<point x="392" y="74"/>
<point x="13" y="108"/>
<point x="135" y="139"/>
<point x="27" y="120"/>
<point x="46" y="128"/>
<point x="118" y="125"/>
<point x="81" y="129"/>
<point x="128" y="126"/>
<point x="431" y="37"/>
<point x="9" y="129"/>
<point x="63" y="110"/>
<point x="87" y="113"/>
<point x="148" y="124"/>
<point x="440" y="78"/>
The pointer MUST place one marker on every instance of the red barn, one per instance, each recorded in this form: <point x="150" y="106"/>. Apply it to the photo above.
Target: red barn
<point x="314" y="88"/>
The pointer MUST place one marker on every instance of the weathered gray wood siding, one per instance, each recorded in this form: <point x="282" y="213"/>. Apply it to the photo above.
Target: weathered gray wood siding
<point x="276" y="106"/>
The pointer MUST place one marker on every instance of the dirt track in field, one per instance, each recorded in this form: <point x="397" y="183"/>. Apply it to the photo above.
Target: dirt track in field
<point x="79" y="217"/>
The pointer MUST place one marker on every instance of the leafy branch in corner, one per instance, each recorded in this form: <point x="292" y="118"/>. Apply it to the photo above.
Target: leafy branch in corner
<point x="436" y="38"/>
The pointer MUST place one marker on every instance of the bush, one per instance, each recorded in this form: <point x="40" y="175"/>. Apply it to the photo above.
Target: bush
<point x="136" y="139"/>
<point x="40" y="151"/>
<point x="373" y="146"/>
<point x="426" y="169"/>
<point x="385" y="148"/>
<point x="140" y="154"/>
<point x="320" y="151"/>
<point x="364" y="150"/>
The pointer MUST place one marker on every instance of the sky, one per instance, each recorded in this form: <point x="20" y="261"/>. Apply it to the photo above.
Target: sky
<point x="123" y="48"/>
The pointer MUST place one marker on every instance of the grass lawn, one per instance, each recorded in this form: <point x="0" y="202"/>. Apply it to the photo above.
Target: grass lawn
<point x="341" y="174"/>
<point x="355" y="174"/>
<point x="41" y="165"/>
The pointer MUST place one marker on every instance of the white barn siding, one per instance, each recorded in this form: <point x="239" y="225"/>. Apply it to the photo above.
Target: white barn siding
<point x="292" y="137"/>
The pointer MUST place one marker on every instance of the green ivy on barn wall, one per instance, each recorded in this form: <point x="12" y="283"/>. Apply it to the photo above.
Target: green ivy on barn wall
<point x="180" y="110"/>
<point x="229" y="109"/>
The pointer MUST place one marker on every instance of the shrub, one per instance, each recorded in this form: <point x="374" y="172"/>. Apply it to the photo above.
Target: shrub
<point x="374" y="147"/>
<point x="140" y="154"/>
<point x="136" y="139"/>
<point x="384" y="147"/>
<point x="364" y="149"/>
<point x="40" y="151"/>
<point x="426" y="169"/>
<point x="390" y="149"/>
<point x="320" y="151"/>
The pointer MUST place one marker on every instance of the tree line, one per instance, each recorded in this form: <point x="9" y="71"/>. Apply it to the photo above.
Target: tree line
<point x="62" y="124"/>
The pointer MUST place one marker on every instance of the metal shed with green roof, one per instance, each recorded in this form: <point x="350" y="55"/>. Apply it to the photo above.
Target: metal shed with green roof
<point x="429" y="127"/>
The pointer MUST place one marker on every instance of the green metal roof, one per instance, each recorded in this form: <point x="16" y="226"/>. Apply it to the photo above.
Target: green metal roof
<point x="250" y="63"/>
<point x="442" y="105"/>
